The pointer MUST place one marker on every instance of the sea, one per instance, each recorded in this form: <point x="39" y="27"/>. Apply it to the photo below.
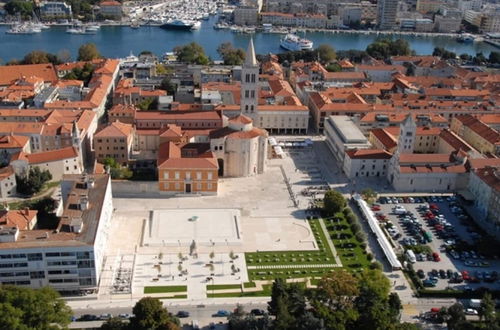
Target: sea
<point x="121" y="41"/>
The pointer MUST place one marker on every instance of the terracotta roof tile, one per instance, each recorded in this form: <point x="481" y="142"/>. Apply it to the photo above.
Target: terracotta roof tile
<point x="368" y="154"/>
<point x="11" y="73"/>
<point x="52" y="155"/>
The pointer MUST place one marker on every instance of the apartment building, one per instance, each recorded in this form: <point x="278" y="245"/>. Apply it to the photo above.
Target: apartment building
<point x="479" y="135"/>
<point x="8" y="184"/>
<point x="484" y="184"/>
<point x="114" y="141"/>
<point x="69" y="258"/>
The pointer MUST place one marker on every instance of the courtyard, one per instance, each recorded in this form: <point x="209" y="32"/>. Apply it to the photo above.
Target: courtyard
<point x="255" y="229"/>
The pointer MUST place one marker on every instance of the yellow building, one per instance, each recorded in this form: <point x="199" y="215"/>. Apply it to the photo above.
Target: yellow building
<point x="479" y="135"/>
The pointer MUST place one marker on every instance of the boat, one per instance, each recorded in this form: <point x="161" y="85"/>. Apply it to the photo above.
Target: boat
<point x="79" y="30"/>
<point x="92" y="27"/>
<point x="293" y="42"/>
<point x="196" y="25"/>
<point x="465" y="38"/>
<point x="178" y="24"/>
<point x="23" y="29"/>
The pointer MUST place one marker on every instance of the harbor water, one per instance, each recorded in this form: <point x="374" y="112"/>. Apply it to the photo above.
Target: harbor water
<point x="120" y="41"/>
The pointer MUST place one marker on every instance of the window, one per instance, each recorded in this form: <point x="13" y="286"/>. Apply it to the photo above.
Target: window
<point x="177" y="175"/>
<point x="165" y="175"/>
<point x="198" y="175"/>
<point x="209" y="175"/>
<point x="209" y="186"/>
<point x="177" y="185"/>
<point x="166" y="186"/>
<point x="188" y="175"/>
<point x="253" y="77"/>
<point x="198" y="186"/>
<point x="34" y="256"/>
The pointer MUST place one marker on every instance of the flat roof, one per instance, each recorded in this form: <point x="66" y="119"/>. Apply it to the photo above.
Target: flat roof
<point x="347" y="130"/>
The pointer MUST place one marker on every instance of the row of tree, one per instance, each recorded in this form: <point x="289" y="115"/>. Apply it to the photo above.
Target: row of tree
<point x="86" y="52"/>
<point x="341" y="301"/>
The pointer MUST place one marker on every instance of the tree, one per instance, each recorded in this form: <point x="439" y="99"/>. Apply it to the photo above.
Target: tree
<point x="24" y="308"/>
<point x="114" y="323"/>
<point x="443" y="53"/>
<point x="149" y="313"/>
<point x="23" y="8"/>
<point x="395" y="306"/>
<point x="494" y="58"/>
<point x="64" y="55"/>
<point x="487" y="310"/>
<point x="283" y="321"/>
<point x="88" y="52"/>
<point x="369" y="195"/>
<point x="333" y="67"/>
<point x="36" y="57"/>
<point x="385" y="48"/>
<point x="333" y="202"/>
<point x="191" y="53"/>
<point x="326" y="53"/>
<point x="81" y="73"/>
<point x="167" y="85"/>
<point x="372" y="302"/>
<point x="33" y="182"/>
<point x="454" y="316"/>
<point x="116" y="170"/>
<point x="337" y="290"/>
<point x="231" y="55"/>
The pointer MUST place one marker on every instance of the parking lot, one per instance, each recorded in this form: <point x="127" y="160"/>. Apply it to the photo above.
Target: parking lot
<point x="443" y="239"/>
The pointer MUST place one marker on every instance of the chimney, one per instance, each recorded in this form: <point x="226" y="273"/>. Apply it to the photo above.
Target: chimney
<point x="26" y="211"/>
<point x="84" y="202"/>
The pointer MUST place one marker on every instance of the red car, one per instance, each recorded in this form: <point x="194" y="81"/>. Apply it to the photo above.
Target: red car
<point x="375" y="208"/>
<point x="436" y="256"/>
<point x="465" y="275"/>
<point x="434" y="207"/>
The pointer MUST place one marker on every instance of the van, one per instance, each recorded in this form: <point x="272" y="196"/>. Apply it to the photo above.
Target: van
<point x="410" y="255"/>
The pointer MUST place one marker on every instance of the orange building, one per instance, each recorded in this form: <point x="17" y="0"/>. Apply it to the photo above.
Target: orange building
<point x="114" y="141"/>
<point x="190" y="169"/>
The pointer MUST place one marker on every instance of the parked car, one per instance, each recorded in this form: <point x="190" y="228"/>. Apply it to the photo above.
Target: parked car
<point x="257" y="312"/>
<point x="221" y="313"/>
<point x="182" y="314"/>
<point x="105" y="316"/>
<point x="428" y="283"/>
<point x="420" y="273"/>
<point x="436" y="257"/>
<point x="471" y="311"/>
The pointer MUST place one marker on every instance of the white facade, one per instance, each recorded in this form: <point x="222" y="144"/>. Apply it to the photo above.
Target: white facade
<point x="250" y="84"/>
<point x="355" y="167"/>
<point x="8" y="185"/>
<point x="387" y="11"/>
<point x="342" y="134"/>
<point x="63" y="265"/>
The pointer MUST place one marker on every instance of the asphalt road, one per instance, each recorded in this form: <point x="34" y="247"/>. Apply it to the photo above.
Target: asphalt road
<point x="201" y="313"/>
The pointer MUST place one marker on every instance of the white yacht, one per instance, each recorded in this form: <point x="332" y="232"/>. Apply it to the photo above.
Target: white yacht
<point x="293" y="42"/>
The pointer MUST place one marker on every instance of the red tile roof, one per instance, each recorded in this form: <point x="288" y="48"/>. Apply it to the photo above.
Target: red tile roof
<point x="115" y="129"/>
<point x="368" y="154"/>
<point x="169" y="156"/>
<point x="21" y="219"/>
<point x="13" y="141"/>
<point x="51" y="156"/>
<point x="5" y="172"/>
<point x="11" y="73"/>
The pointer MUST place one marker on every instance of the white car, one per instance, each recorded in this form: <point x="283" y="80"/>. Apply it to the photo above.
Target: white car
<point x="471" y="311"/>
<point x="399" y="210"/>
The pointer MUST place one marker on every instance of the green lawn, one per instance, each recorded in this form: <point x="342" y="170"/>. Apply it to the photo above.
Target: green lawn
<point x="350" y="251"/>
<point x="264" y="293"/>
<point x="164" y="289"/>
<point x="249" y="285"/>
<point x="223" y="286"/>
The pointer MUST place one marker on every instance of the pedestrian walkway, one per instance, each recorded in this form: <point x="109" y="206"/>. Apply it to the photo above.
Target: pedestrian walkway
<point x="294" y="266"/>
<point x="330" y="243"/>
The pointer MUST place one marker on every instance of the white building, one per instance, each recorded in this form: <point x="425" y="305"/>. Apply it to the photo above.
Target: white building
<point x="58" y="162"/>
<point x="240" y="148"/>
<point x="387" y="11"/>
<point x="53" y="9"/>
<point x="249" y="95"/>
<point x="8" y="184"/>
<point x="366" y="163"/>
<point x="342" y="134"/>
<point x="69" y="258"/>
<point x="484" y="184"/>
